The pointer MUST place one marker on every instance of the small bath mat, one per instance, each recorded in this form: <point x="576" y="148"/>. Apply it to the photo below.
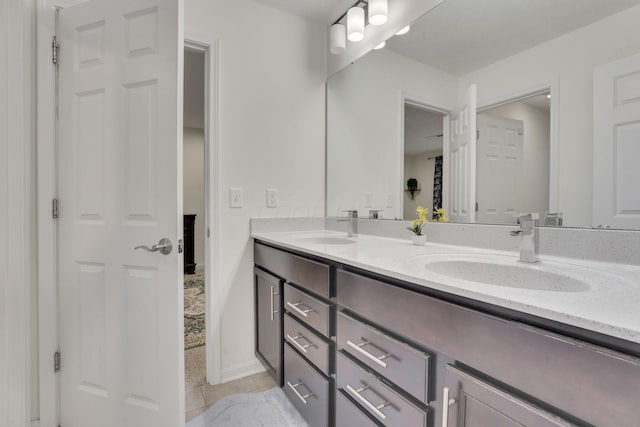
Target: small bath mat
<point x="267" y="409"/>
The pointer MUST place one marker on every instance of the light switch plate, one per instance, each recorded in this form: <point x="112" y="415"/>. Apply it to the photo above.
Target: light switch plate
<point x="389" y="200"/>
<point x="235" y="197"/>
<point x="368" y="200"/>
<point x="272" y="198"/>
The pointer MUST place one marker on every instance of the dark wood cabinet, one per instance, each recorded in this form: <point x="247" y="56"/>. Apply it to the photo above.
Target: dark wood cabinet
<point x="401" y="355"/>
<point x="308" y="317"/>
<point x="268" y="289"/>
<point x="472" y="402"/>
<point x="189" y="222"/>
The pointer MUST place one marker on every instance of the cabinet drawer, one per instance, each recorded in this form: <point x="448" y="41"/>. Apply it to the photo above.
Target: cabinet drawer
<point x="349" y="415"/>
<point x="305" y="273"/>
<point x="313" y="346"/>
<point x="378" y="399"/>
<point x="400" y="363"/>
<point x="306" y="389"/>
<point x="308" y="309"/>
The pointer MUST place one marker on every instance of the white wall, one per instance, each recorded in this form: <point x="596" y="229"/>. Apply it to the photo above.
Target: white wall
<point x="271" y="135"/>
<point x="535" y="154"/>
<point x="17" y="143"/>
<point x="570" y="59"/>
<point x="193" y="197"/>
<point x="364" y="104"/>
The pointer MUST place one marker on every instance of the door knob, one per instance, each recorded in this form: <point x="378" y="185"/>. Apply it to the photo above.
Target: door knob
<point x="164" y="246"/>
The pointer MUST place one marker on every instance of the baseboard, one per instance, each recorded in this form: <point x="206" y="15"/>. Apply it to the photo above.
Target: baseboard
<point x="241" y="370"/>
<point x="200" y="267"/>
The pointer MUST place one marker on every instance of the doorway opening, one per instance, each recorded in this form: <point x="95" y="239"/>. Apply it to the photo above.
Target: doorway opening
<point x="513" y="160"/>
<point x="196" y="268"/>
<point x="423" y="176"/>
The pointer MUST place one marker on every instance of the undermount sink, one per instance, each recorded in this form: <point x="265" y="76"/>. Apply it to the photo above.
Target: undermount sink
<point x="522" y="276"/>
<point x="505" y="271"/>
<point x="325" y="240"/>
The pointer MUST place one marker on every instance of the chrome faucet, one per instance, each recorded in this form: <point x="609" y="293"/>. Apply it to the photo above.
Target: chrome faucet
<point x="529" y="239"/>
<point x="352" y="228"/>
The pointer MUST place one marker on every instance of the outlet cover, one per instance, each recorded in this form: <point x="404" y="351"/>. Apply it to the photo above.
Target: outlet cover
<point x="389" y="200"/>
<point x="272" y="198"/>
<point x="235" y="197"/>
<point x="368" y="200"/>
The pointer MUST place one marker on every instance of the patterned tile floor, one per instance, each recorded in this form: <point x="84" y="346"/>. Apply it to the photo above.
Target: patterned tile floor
<point x="200" y="395"/>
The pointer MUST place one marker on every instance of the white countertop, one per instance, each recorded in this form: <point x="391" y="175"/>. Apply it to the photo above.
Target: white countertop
<point x="611" y="306"/>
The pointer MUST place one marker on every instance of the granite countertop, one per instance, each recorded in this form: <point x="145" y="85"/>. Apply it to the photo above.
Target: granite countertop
<point x="610" y="305"/>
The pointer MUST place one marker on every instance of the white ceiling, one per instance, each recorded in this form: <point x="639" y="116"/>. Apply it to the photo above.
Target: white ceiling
<point x="421" y="131"/>
<point x="323" y="12"/>
<point x="460" y="36"/>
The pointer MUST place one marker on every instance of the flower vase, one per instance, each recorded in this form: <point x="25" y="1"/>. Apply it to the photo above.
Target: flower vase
<point x="419" y="239"/>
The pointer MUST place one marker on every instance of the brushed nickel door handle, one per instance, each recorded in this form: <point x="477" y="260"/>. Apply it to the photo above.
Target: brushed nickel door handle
<point x="164" y="246"/>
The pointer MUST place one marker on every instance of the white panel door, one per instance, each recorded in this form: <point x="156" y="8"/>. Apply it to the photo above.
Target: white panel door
<point x="499" y="169"/>
<point x="616" y="144"/>
<point x="462" y="160"/>
<point x="120" y="186"/>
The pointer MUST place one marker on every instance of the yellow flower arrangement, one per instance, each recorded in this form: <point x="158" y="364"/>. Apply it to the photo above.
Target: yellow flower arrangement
<point x="439" y="215"/>
<point x="418" y="224"/>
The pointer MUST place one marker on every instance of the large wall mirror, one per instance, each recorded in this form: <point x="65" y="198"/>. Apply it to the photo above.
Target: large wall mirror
<point x="494" y="108"/>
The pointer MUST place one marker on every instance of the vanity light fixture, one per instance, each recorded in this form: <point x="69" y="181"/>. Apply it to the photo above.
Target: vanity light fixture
<point x="351" y="24"/>
<point x="355" y="24"/>
<point x="378" y="11"/>
<point x="380" y="46"/>
<point x="549" y="96"/>
<point x="403" y="31"/>
<point x="338" y="39"/>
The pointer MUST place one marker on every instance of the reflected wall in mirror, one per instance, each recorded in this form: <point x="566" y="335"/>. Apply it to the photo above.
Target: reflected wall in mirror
<point x="586" y="158"/>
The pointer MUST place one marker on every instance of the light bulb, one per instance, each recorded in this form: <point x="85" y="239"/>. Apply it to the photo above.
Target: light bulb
<point x="338" y="36"/>
<point x="355" y="24"/>
<point x="404" y="30"/>
<point x="380" y="45"/>
<point x="378" y="10"/>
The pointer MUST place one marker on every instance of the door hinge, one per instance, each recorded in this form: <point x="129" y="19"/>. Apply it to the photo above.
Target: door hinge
<point x="477" y="135"/>
<point x="56" y="361"/>
<point x="180" y="246"/>
<point x="476" y="206"/>
<point x="55" y="49"/>
<point x="54" y="209"/>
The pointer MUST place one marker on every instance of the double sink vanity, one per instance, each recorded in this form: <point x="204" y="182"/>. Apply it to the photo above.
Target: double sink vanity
<point x="370" y="330"/>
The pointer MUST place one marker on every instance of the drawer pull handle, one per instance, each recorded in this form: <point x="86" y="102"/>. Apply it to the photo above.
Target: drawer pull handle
<point x="446" y="402"/>
<point x="294" y="341"/>
<point x="294" y="387"/>
<point x="294" y="306"/>
<point x="273" y="294"/>
<point x="375" y="409"/>
<point x="376" y="359"/>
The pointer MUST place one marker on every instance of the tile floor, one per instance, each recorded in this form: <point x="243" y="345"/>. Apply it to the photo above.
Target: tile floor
<point x="200" y="395"/>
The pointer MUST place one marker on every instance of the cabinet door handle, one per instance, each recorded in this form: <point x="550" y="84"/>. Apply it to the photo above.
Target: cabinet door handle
<point x="294" y="341"/>
<point x="273" y="294"/>
<point x="294" y="306"/>
<point x="365" y="353"/>
<point x="294" y="387"/>
<point x="446" y="402"/>
<point x="375" y="409"/>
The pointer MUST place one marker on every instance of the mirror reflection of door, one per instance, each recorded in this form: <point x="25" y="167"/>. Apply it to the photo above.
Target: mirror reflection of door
<point x="423" y="137"/>
<point x="513" y="160"/>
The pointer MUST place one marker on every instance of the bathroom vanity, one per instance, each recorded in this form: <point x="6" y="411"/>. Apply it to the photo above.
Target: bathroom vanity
<point x="358" y="334"/>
